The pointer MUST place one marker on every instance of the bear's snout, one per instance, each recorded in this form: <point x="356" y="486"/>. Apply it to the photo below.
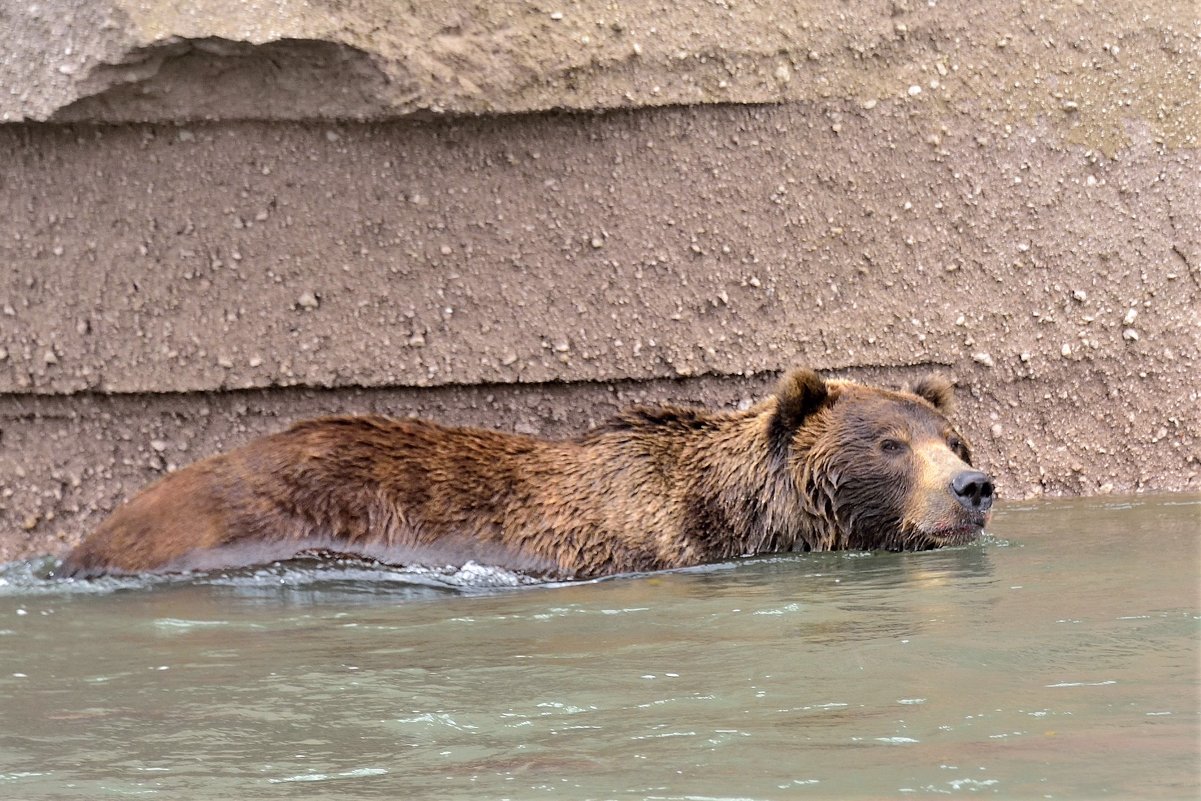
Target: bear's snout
<point x="973" y="490"/>
<point x="952" y="500"/>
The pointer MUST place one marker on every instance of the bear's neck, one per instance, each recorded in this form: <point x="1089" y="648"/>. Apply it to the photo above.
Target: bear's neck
<point x="741" y="497"/>
<point x="723" y="480"/>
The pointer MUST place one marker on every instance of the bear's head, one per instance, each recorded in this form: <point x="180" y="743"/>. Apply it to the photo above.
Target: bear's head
<point x="879" y="469"/>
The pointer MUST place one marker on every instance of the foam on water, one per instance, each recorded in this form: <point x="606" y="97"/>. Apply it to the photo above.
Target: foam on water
<point x="35" y="577"/>
<point x="356" y="773"/>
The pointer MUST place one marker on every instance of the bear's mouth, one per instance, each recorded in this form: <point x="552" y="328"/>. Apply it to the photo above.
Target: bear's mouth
<point x="957" y="533"/>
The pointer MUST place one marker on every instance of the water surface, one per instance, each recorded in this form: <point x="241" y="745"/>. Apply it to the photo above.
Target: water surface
<point x="1058" y="658"/>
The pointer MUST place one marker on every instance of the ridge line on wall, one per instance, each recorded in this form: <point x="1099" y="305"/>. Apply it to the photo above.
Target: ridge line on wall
<point x="624" y="381"/>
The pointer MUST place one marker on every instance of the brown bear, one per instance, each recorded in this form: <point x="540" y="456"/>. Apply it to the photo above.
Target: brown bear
<point x="820" y="465"/>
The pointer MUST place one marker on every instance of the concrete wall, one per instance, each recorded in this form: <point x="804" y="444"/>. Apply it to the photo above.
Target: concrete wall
<point x="214" y="223"/>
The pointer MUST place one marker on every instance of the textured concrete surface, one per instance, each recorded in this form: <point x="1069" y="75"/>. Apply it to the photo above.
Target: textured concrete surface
<point x="1007" y="194"/>
<point x="633" y="245"/>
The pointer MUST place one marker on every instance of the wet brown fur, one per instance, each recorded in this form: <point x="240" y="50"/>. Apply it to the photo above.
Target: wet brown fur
<point x="655" y="488"/>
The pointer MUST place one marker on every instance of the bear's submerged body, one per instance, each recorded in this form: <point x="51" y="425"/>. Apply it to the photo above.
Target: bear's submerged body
<point x="818" y="466"/>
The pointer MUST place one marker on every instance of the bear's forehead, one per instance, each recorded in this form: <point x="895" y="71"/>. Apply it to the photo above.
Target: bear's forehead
<point x="877" y="410"/>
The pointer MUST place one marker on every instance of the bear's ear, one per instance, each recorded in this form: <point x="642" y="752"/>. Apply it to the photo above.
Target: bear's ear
<point x="938" y="390"/>
<point x="800" y="394"/>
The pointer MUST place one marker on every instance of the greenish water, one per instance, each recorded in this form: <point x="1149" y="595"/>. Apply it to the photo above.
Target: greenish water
<point x="1057" y="659"/>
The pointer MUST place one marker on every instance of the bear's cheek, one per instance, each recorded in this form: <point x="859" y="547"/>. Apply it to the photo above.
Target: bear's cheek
<point x="873" y="489"/>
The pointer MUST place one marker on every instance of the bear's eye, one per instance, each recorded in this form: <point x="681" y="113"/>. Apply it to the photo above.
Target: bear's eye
<point x="959" y="448"/>
<point x="892" y="445"/>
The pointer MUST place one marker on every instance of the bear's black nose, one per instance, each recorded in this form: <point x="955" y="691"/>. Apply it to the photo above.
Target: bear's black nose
<point x="974" y="490"/>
